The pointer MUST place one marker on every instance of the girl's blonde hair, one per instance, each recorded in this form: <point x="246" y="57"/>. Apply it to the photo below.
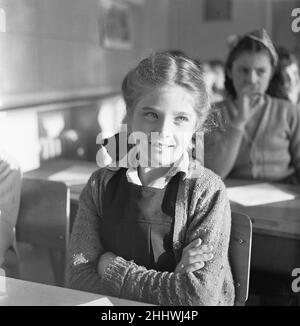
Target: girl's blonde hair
<point x="166" y="70"/>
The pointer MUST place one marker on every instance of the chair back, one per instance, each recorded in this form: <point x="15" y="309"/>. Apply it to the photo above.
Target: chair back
<point x="240" y="255"/>
<point x="43" y="219"/>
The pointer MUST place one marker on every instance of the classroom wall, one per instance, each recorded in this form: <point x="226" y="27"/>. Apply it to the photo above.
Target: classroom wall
<point x="207" y="39"/>
<point x="53" y="45"/>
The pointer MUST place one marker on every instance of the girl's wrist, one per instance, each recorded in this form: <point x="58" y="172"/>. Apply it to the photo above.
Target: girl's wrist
<point x="104" y="261"/>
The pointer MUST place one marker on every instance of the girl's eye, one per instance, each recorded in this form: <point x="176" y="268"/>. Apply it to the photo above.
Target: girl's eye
<point x="260" y="72"/>
<point x="182" y="118"/>
<point x="151" y="116"/>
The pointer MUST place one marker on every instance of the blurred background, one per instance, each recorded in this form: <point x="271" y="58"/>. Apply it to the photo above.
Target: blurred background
<point x="61" y="61"/>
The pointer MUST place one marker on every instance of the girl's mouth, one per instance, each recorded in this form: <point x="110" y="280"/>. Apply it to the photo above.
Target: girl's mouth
<point x="160" y="145"/>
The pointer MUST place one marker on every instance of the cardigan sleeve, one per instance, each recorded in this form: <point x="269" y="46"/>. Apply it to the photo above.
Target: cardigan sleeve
<point x="85" y="245"/>
<point x="212" y="285"/>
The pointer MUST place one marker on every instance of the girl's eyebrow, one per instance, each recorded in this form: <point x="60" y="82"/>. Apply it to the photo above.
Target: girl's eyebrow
<point x="145" y="108"/>
<point x="255" y="68"/>
<point x="182" y="113"/>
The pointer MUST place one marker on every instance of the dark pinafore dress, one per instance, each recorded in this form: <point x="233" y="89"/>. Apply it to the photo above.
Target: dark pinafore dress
<point x="138" y="222"/>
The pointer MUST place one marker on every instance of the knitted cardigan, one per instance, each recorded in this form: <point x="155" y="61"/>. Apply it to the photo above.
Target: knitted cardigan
<point x="202" y="211"/>
<point x="271" y="152"/>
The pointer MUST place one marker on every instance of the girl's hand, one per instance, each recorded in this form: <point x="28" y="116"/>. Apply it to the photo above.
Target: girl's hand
<point x="104" y="261"/>
<point x="194" y="257"/>
<point x="247" y="104"/>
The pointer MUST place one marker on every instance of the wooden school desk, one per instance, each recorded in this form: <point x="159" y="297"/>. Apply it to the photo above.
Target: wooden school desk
<point x="24" y="293"/>
<point x="276" y="230"/>
<point x="51" y="167"/>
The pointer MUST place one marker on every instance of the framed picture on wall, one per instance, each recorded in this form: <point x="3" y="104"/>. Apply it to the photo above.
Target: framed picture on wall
<point x="217" y="10"/>
<point x="115" y="24"/>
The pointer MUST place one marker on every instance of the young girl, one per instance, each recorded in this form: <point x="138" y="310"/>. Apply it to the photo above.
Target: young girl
<point x="259" y="136"/>
<point x="139" y="229"/>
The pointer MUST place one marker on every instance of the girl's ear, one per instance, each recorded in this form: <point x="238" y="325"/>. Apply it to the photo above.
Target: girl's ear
<point x="128" y="121"/>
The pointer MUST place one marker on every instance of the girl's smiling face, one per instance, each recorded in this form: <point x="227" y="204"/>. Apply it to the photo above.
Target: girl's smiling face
<point x="167" y="118"/>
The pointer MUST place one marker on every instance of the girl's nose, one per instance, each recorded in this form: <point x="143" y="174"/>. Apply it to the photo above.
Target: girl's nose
<point x="252" y="77"/>
<point x="165" y="129"/>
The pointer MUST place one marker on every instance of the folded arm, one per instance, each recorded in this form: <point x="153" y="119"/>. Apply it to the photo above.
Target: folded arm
<point x="211" y="223"/>
<point x="122" y="278"/>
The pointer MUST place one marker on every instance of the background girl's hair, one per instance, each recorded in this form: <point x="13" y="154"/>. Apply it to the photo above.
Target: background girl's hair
<point x="276" y="87"/>
<point x="165" y="69"/>
<point x="244" y="45"/>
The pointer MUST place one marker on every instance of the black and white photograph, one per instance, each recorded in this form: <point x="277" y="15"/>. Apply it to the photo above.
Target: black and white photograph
<point x="149" y="155"/>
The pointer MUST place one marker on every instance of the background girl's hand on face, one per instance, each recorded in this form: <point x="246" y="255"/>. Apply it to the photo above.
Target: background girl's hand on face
<point x="104" y="261"/>
<point x="193" y="257"/>
<point x="247" y="103"/>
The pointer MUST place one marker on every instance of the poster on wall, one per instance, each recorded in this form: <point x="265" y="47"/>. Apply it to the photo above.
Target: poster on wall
<point x="215" y="10"/>
<point x="115" y="24"/>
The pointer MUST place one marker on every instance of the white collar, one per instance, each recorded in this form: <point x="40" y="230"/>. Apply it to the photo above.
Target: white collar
<point x="130" y="161"/>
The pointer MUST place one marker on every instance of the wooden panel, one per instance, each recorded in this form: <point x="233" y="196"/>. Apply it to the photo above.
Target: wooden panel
<point x="44" y="214"/>
<point x="274" y="254"/>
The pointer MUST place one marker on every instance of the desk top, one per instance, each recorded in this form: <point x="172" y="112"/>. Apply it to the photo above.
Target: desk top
<point x="280" y="219"/>
<point x="51" y="167"/>
<point x="24" y="293"/>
